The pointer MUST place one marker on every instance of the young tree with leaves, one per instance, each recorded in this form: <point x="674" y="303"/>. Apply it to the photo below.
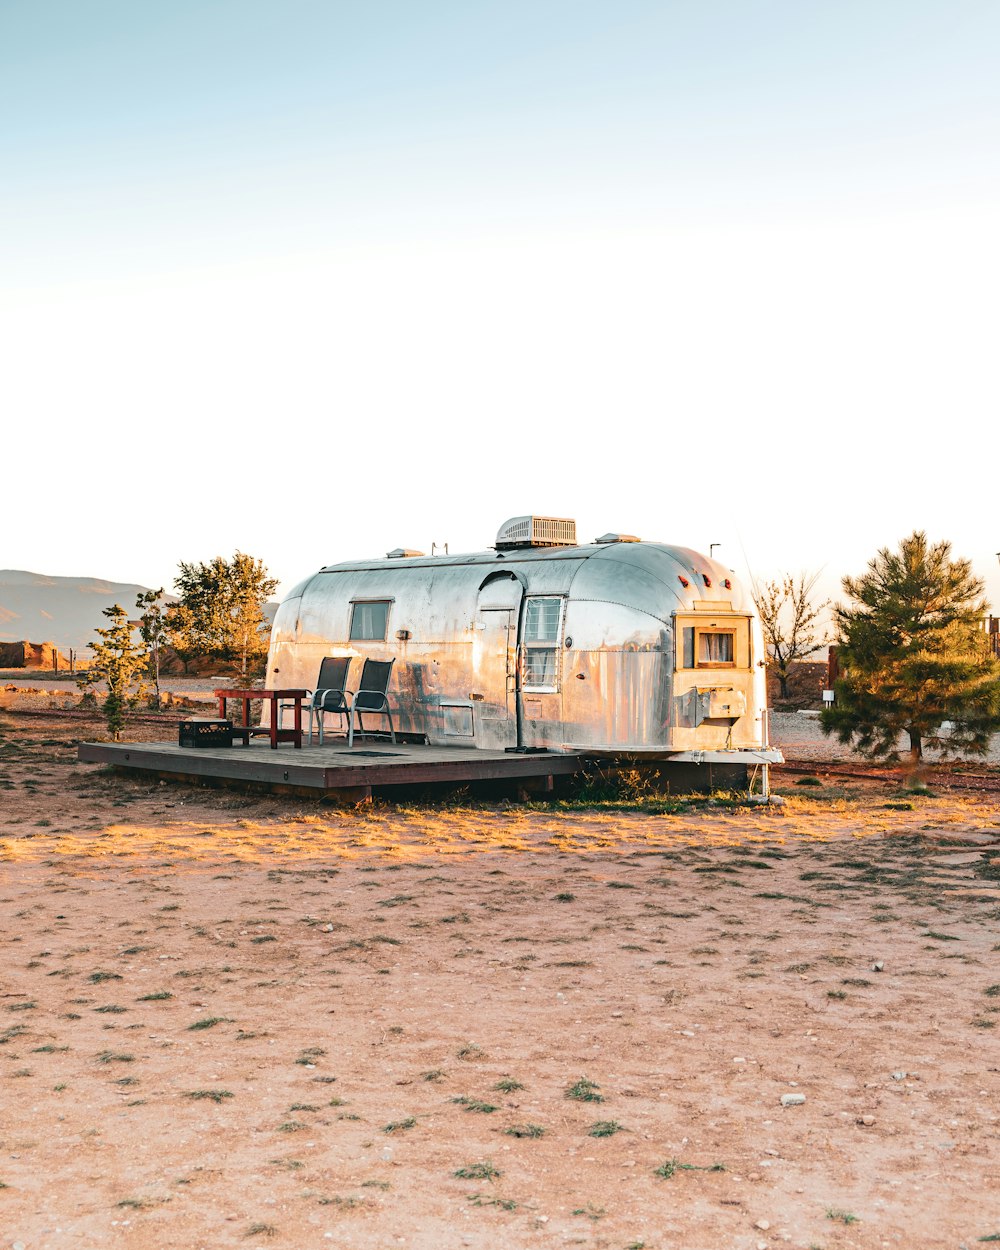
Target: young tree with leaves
<point x="789" y="621"/>
<point x="248" y="628"/>
<point x="913" y="655"/>
<point x="180" y="633"/>
<point x="153" y="632"/>
<point x="120" y="664"/>
<point x="221" y="610"/>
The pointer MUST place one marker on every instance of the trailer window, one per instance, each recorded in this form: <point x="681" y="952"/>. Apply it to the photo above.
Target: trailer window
<point x="709" y="648"/>
<point x="716" y="648"/>
<point x="542" y="622"/>
<point x="713" y="644"/>
<point x="369" y="620"/>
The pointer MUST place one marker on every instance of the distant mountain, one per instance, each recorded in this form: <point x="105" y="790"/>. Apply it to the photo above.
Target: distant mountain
<point x="63" y="610"/>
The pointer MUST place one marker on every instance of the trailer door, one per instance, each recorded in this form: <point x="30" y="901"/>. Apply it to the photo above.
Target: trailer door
<point x="494" y="662"/>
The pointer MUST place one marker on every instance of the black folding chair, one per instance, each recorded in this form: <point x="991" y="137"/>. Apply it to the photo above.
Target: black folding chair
<point x="371" y="697"/>
<point x="330" y="694"/>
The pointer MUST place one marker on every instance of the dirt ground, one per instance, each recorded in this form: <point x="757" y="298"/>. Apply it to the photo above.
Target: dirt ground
<point x="228" y="1020"/>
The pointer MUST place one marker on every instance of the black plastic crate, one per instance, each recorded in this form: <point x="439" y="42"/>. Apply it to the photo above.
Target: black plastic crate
<point x="202" y="732"/>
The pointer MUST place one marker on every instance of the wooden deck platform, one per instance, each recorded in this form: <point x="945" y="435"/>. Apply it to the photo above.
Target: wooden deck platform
<point x="333" y="769"/>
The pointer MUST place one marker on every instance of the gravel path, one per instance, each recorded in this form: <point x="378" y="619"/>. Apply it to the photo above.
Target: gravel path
<point x="799" y="736"/>
<point x="190" y="686"/>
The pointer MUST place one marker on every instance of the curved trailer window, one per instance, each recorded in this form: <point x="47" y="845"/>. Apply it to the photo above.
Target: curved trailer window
<point x="542" y="628"/>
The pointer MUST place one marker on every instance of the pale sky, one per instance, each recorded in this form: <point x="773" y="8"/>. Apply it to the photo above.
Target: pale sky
<point x="316" y="280"/>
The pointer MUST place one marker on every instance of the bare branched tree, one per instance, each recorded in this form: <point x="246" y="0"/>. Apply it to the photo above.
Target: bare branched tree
<point x="789" y="619"/>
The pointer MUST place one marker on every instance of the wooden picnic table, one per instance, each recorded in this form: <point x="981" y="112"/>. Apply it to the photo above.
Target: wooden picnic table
<point x="247" y="731"/>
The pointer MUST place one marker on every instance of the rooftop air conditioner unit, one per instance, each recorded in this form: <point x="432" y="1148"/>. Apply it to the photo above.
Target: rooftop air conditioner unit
<point x="536" y="531"/>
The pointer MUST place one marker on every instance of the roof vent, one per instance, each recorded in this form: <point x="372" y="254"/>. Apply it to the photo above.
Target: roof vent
<point x="536" y="531"/>
<point x="403" y="553"/>
<point x="617" y="538"/>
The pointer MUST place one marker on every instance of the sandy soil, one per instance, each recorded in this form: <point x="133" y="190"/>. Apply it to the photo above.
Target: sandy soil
<point x="229" y="1020"/>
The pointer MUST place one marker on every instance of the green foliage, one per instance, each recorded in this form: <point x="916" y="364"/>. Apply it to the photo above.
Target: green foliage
<point x="485" y="1200"/>
<point x="525" y="1130"/>
<point x="913" y="655"/>
<point x="215" y="1095"/>
<point x="484" y="1171"/>
<point x="604" y="1128"/>
<point x="585" y="1091"/>
<point x="475" y="1104"/>
<point x="120" y="663"/>
<point x="182" y="634"/>
<point x="153" y="632"/>
<point x="220" y="611"/>
<point x="209" y="1022"/>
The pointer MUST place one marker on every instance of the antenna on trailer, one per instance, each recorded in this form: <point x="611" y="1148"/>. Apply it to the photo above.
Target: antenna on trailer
<point x="711" y="548"/>
<point x="746" y="561"/>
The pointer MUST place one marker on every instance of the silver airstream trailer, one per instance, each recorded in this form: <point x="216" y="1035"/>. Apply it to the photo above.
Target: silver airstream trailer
<point x="619" y="647"/>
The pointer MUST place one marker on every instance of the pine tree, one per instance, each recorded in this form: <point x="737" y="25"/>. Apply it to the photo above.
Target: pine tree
<point x="120" y="664"/>
<point x="913" y="655"/>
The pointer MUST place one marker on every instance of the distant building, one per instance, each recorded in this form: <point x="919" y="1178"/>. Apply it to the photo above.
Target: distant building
<point x="36" y="655"/>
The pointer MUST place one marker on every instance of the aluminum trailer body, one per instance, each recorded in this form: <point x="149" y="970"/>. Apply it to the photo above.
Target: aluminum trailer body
<point x="619" y="647"/>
